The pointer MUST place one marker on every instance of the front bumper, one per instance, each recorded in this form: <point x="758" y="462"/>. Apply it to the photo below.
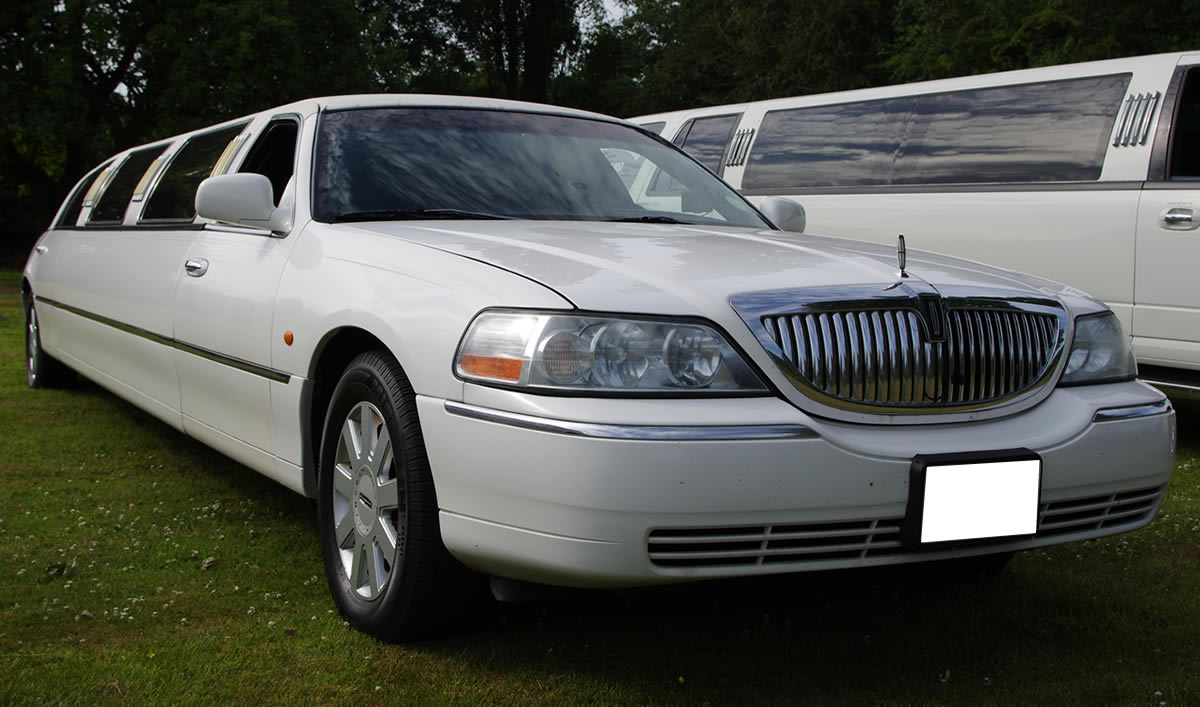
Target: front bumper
<point x="580" y="492"/>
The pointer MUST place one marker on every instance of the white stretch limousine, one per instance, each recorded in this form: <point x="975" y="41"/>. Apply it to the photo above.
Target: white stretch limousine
<point x="452" y="323"/>
<point x="1088" y="174"/>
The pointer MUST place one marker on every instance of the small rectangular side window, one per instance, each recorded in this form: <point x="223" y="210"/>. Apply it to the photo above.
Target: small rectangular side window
<point x="174" y="198"/>
<point x="655" y="128"/>
<point x="70" y="215"/>
<point x="274" y="154"/>
<point x="110" y="206"/>
<point x="708" y="137"/>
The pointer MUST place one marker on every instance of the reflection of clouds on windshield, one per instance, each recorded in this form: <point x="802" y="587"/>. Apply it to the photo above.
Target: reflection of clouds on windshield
<point x="1039" y="132"/>
<point x="514" y="164"/>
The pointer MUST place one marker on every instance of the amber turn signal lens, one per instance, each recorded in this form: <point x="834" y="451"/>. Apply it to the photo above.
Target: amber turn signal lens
<point x="287" y="337"/>
<point x="494" y="367"/>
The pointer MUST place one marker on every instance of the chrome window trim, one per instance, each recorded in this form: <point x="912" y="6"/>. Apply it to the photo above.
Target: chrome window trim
<point x="649" y="433"/>
<point x="1131" y="411"/>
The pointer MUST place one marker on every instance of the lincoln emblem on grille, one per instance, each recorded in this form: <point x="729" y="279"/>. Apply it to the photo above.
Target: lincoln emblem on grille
<point x="901" y="254"/>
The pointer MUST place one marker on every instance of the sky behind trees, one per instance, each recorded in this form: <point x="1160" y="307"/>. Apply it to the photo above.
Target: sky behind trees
<point x="81" y="80"/>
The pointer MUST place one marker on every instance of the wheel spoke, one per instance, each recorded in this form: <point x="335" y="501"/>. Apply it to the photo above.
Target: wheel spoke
<point x="372" y="570"/>
<point x="379" y="453"/>
<point x="350" y="440"/>
<point x="356" y="564"/>
<point x="387" y="543"/>
<point x="343" y="481"/>
<point x="387" y="495"/>
<point x="344" y="530"/>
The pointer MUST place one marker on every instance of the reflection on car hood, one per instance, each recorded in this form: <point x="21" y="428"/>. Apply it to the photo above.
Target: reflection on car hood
<point x="692" y="270"/>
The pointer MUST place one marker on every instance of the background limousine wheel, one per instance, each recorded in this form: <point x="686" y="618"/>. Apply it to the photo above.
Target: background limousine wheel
<point x="41" y="371"/>
<point x="384" y="559"/>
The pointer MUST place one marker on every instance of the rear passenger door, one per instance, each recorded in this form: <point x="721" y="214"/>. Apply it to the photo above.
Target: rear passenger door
<point x="1166" y="321"/>
<point x="113" y="284"/>
<point x="224" y="316"/>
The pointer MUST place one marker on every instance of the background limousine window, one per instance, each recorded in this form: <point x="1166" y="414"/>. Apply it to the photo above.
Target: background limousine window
<point x="1054" y="131"/>
<point x="705" y="139"/>
<point x="175" y="197"/>
<point x="110" y="206"/>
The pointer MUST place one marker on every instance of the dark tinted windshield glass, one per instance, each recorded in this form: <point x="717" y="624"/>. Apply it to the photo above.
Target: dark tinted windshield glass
<point x="110" y="207"/>
<point x="398" y="162"/>
<point x="1054" y="131"/>
<point x="175" y="196"/>
<point x="707" y="138"/>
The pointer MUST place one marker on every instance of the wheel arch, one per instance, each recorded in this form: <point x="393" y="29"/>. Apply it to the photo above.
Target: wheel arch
<point x="331" y="356"/>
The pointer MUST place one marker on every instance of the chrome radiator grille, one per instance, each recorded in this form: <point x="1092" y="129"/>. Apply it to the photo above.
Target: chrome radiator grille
<point x="909" y="351"/>
<point x="883" y="358"/>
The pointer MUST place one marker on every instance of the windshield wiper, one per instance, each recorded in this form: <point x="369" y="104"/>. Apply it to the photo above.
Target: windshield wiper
<point x="646" y="219"/>
<point x="415" y="215"/>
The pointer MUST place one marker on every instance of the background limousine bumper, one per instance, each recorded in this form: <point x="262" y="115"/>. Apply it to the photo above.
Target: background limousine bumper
<point x="544" y="498"/>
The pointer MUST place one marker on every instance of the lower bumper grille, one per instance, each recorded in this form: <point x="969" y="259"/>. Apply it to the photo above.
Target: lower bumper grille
<point x="823" y="542"/>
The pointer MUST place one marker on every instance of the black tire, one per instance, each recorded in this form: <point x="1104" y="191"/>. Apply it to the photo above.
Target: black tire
<point x="41" y="370"/>
<point x="411" y="593"/>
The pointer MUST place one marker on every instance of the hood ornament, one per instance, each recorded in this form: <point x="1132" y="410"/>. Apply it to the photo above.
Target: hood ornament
<point x="901" y="254"/>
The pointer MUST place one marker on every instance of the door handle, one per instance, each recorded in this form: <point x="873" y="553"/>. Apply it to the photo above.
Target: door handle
<point x="196" y="267"/>
<point x="41" y="250"/>
<point x="1179" y="217"/>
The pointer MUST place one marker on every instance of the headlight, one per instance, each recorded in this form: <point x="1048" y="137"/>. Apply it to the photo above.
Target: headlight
<point x="1100" y="352"/>
<point x="542" y="350"/>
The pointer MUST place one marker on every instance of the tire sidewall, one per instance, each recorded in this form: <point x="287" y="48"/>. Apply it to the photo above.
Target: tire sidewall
<point x="34" y="358"/>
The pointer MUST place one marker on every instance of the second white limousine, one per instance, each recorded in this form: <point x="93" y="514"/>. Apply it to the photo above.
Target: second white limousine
<point x="1088" y="174"/>
<point x="452" y="323"/>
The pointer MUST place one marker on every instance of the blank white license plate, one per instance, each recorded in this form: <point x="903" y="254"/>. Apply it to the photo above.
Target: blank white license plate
<point x="980" y="500"/>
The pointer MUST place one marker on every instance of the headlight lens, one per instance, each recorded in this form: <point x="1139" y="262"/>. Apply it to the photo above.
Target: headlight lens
<point x="1100" y="352"/>
<point x="594" y="353"/>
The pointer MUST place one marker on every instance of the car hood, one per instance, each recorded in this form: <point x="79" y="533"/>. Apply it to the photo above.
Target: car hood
<point x="694" y="270"/>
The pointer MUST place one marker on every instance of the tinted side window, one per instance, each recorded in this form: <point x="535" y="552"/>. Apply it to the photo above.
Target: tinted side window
<point x="110" y="207"/>
<point x="70" y="214"/>
<point x="1185" y="139"/>
<point x="174" y="198"/>
<point x="707" y="139"/>
<point x="1055" y="131"/>
<point x="1037" y="133"/>
<point x="274" y="155"/>
<point x="841" y="145"/>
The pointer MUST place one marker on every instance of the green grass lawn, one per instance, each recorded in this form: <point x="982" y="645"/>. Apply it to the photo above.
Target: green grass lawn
<point x="108" y="521"/>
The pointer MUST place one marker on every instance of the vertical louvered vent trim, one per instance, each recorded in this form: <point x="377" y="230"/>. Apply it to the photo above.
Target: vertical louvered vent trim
<point x="739" y="147"/>
<point x="1136" y="119"/>
<point x="884" y="358"/>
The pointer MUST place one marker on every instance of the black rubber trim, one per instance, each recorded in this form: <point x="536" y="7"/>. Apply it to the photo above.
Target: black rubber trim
<point x="214" y="356"/>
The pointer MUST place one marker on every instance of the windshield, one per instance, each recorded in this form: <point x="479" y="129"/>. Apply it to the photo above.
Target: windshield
<point x="417" y="163"/>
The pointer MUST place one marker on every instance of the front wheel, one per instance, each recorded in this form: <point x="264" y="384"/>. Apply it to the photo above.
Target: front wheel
<point x="385" y="563"/>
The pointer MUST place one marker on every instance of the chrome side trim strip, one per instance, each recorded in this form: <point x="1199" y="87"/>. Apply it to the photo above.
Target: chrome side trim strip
<point x="246" y="366"/>
<point x="1125" y="413"/>
<point x="673" y="433"/>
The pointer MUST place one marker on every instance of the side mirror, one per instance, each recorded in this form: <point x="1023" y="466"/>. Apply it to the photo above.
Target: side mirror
<point x="245" y="199"/>
<point x="784" y="213"/>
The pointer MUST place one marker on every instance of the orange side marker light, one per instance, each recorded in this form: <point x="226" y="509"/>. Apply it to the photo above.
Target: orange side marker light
<point x="287" y="337"/>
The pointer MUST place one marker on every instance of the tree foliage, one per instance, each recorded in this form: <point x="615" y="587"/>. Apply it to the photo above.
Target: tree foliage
<point x="82" y="79"/>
